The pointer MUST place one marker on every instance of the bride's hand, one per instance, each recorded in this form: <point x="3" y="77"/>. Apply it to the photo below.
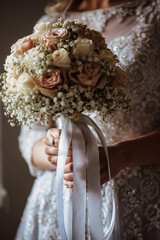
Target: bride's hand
<point x="117" y="163"/>
<point x="51" y="145"/>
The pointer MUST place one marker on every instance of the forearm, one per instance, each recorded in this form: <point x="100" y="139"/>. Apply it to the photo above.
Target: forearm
<point x="143" y="150"/>
<point x="39" y="157"/>
<point x="140" y="151"/>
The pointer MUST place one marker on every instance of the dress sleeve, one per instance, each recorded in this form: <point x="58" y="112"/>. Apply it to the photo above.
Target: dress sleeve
<point x="26" y="140"/>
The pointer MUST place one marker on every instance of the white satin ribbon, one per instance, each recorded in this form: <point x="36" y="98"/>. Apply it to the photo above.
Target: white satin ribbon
<point x="88" y="121"/>
<point x="85" y="160"/>
<point x="79" y="183"/>
<point x="94" y="186"/>
<point x="65" y="141"/>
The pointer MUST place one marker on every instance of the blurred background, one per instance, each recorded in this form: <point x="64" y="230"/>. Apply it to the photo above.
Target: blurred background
<point x="17" y="19"/>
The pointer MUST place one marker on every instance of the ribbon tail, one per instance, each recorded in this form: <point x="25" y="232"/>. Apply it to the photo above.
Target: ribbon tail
<point x="64" y="144"/>
<point x="87" y="120"/>
<point x="79" y="181"/>
<point x="94" y="186"/>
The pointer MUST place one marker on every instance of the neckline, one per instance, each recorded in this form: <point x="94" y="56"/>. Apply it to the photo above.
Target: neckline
<point x="121" y="5"/>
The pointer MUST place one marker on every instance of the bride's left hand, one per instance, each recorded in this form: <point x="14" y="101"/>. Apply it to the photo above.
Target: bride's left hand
<point x="117" y="163"/>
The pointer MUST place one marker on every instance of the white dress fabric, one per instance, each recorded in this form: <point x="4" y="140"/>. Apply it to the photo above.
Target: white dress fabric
<point x="132" y="31"/>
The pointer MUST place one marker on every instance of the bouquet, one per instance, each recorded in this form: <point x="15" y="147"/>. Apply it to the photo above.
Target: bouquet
<point x="65" y="69"/>
<point x="61" y="69"/>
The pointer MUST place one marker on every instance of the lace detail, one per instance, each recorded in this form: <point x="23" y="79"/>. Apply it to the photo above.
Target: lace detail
<point x="138" y="189"/>
<point x="139" y="201"/>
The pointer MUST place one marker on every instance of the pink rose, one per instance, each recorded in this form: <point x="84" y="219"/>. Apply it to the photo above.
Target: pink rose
<point x="23" y="45"/>
<point x="49" y="81"/>
<point x="88" y="75"/>
<point x="55" y="34"/>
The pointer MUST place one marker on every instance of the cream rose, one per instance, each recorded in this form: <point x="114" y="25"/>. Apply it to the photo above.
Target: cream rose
<point x="61" y="58"/>
<point x="11" y="81"/>
<point x="31" y="58"/>
<point x="88" y="75"/>
<point x="25" y="83"/>
<point x="83" y="48"/>
<point x="23" y="45"/>
<point x="44" y="26"/>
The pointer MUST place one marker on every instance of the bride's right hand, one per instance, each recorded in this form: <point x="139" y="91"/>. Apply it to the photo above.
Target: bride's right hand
<point x="51" y="145"/>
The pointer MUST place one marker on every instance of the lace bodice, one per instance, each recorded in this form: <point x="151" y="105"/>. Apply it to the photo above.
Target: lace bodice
<point x="132" y="31"/>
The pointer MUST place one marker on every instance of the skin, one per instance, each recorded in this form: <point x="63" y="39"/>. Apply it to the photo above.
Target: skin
<point x="140" y="151"/>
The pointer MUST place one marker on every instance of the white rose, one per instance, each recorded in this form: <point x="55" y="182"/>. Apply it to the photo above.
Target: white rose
<point x="25" y="83"/>
<point x="31" y="58"/>
<point x="61" y="58"/>
<point x="42" y="26"/>
<point x="11" y="80"/>
<point x="83" y="48"/>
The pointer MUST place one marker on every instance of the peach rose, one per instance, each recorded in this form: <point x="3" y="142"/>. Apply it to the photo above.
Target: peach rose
<point x="55" y="34"/>
<point x="120" y="79"/>
<point x="88" y="75"/>
<point x="23" y="45"/>
<point x="49" y="81"/>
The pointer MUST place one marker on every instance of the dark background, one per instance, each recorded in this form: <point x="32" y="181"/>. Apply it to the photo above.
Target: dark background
<point x="17" y="18"/>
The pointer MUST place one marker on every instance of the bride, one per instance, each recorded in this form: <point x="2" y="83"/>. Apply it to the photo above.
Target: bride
<point x="132" y="31"/>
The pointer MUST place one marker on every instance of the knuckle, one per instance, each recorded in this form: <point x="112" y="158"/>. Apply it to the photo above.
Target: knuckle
<point x="53" y="160"/>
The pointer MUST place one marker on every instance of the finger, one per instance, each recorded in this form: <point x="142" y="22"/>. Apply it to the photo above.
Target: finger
<point x="50" y="150"/>
<point x="69" y="159"/>
<point x="68" y="177"/>
<point x="51" y="142"/>
<point x="54" y="133"/>
<point x="68" y="184"/>
<point x="54" y="159"/>
<point x="68" y="168"/>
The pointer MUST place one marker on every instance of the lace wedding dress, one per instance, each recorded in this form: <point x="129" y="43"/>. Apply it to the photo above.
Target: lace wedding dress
<point x="132" y="31"/>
